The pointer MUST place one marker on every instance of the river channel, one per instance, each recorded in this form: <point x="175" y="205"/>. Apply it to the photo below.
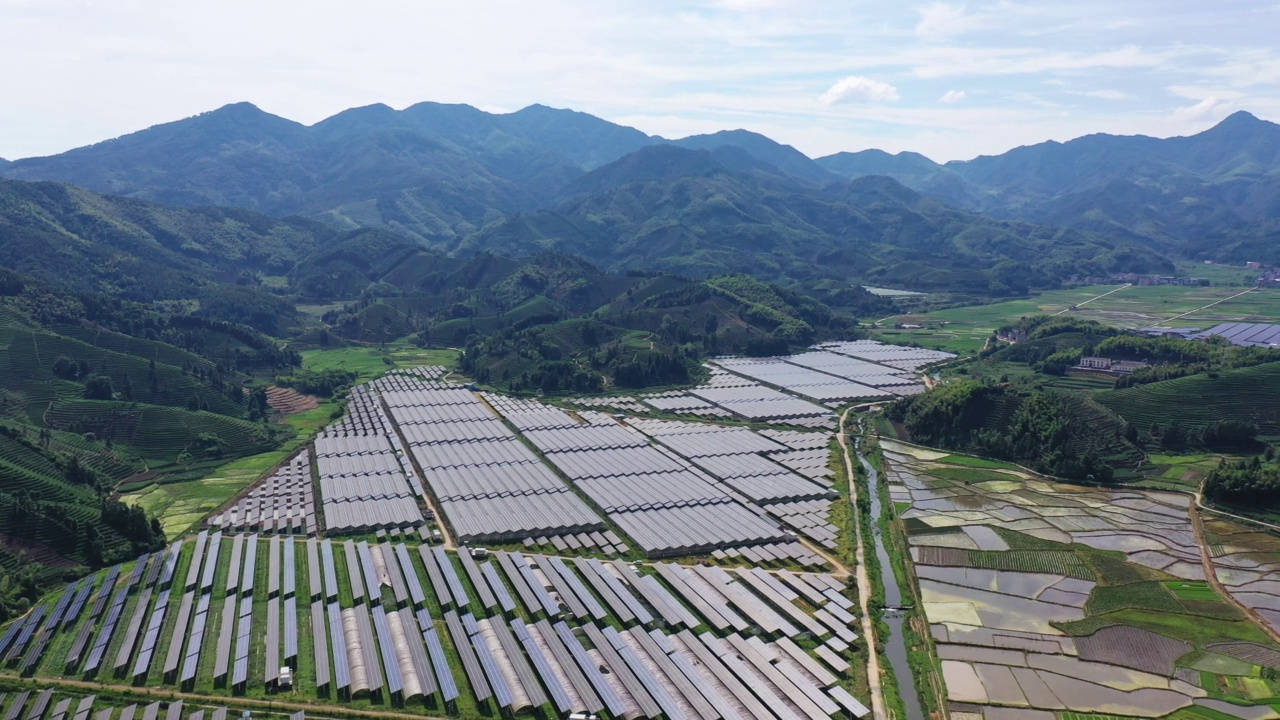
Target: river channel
<point x="895" y="645"/>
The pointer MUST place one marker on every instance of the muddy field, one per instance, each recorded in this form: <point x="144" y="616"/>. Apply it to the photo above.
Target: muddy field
<point x="1050" y="598"/>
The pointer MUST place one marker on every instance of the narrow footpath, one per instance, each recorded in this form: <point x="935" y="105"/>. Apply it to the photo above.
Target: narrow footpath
<point x="1211" y="574"/>
<point x="864" y="581"/>
<point x="1095" y="297"/>
<point x="282" y="705"/>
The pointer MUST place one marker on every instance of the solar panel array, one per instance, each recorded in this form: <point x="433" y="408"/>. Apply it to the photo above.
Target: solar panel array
<point x="625" y="404"/>
<point x="810" y="518"/>
<point x="366" y="484"/>
<point x="738" y="457"/>
<point x="895" y="356"/>
<point x="830" y="374"/>
<point x="95" y="608"/>
<point x="759" y="467"/>
<point x="683" y="404"/>
<point x="206" y="552"/>
<point x="787" y="553"/>
<point x="696" y="529"/>
<point x="284" y="503"/>
<point x="757" y="402"/>
<point x="82" y="707"/>
<point x="142" y="665"/>
<point x="488" y="484"/>
<point x="599" y="636"/>
<point x="823" y="387"/>
<point x="362" y="417"/>
<point x="1244" y="334"/>
<point x="643" y="488"/>
<point x="109" y="623"/>
<point x="528" y="415"/>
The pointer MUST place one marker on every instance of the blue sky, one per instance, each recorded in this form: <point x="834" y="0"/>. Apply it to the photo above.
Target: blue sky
<point x="951" y="80"/>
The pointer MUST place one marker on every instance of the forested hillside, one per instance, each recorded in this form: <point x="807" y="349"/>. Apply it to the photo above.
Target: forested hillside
<point x="1207" y="196"/>
<point x="97" y="391"/>
<point x="702" y="213"/>
<point x="463" y="181"/>
<point x="1030" y="401"/>
<point x="553" y="322"/>
<point x="1049" y="431"/>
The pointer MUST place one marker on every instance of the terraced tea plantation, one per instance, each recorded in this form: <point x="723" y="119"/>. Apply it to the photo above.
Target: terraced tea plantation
<point x="1047" y="600"/>
<point x="1248" y="394"/>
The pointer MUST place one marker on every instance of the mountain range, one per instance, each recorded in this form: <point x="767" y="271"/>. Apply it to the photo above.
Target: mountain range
<point x="150" y="285"/>
<point x="1214" y="195"/>
<point x="460" y="180"/>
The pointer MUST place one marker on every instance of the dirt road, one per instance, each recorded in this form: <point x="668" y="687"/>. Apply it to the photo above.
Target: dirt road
<point x="863" y="580"/>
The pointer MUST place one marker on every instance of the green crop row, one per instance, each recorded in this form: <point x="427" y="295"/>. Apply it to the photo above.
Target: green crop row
<point x="1249" y="394"/>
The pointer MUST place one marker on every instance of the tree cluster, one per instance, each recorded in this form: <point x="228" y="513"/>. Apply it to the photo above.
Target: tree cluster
<point x="1254" y="482"/>
<point x="1047" y="431"/>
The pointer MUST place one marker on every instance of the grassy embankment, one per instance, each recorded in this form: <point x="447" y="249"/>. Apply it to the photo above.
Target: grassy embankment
<point x="925" y="670"/>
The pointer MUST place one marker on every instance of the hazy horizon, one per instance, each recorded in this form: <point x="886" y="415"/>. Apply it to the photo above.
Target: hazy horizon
<point x="398" y="109"/>
<point x="948" y="80"/>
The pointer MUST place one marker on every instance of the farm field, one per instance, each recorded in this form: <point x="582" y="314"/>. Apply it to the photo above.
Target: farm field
<point x="965" y="329"/>
<point x="1246" y="561"/>
<point x="1179" y="472"/>
<point x="181" y="505"/>
<point x="1220" y="274"/>
<point x="1065" y="601"/>
<point x="369" y="362"/>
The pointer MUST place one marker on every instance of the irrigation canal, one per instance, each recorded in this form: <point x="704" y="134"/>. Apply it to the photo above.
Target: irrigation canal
<point x="895" y="646"/>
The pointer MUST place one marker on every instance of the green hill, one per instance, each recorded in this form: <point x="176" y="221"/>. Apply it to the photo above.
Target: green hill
<point x="1249" y="394"/>
<point x="86" y="242"/>
<point x="1060" y="433"/>
<point x="1211" y="195"/>
<point x="56" y="516"/>
<point x="100" y="392"/>
<point x="695" y="213"/>
<point x="546" y="317"/>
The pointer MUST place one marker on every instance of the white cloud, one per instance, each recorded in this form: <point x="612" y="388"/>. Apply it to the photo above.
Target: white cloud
<point x="1203" y="110"/>
<point x="1103" y="94"/>
<point x="938" y="62"/>
<point x="856" y="88"/>
<point x="940" y="21"/>
<point x="951" y="97"/>
<point x="749" y="5"/>
<point x="97" y="70"/>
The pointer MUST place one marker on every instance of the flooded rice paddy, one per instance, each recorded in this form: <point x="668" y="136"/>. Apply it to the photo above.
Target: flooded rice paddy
<point x="1045" y="598"/>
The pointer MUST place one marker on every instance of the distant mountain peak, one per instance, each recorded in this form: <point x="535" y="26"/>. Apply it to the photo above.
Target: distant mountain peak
<point x="244" y="106"/>
<point x="540" y="109"/>
<point x="765" y="149"/>
<point x="432" y="106"/>
<point x="359" y="118"/>
<point x="878" y="162"/>
<point x="240" y="114"/>
<point x="1241" y="124"/>
<point x="1239" y="117"/>
<point x="243" y="111"/>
